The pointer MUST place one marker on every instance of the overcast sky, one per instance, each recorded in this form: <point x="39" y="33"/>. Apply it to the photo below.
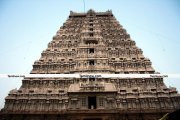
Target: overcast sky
<point x="26" y="27"/>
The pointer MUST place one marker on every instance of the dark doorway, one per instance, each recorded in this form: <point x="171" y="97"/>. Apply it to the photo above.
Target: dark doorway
<point x="92" y="102"/>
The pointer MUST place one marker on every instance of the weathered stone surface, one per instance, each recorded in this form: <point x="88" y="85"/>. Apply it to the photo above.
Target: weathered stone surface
<point x="92" y="42"/>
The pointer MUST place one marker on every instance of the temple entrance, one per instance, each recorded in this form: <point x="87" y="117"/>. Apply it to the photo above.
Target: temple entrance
<point x="92" y="102"/>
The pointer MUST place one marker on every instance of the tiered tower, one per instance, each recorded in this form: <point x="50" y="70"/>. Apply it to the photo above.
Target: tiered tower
<point x="92" y="42"/>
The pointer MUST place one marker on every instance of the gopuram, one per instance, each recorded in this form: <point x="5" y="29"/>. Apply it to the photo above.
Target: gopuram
<point x="91" y="43"/>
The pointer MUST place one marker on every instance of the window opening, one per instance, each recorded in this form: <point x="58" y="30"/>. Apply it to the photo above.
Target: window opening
<point x="91" y="34"/>
<point x="101" y="102"/>
<point x="91" y="29"/>
<point x="91" y="50"/>
<point x="90" y="24"/>
<point x="84" y="102"/>
<point x="90" y="20"/>
<point x="91" y="62"/>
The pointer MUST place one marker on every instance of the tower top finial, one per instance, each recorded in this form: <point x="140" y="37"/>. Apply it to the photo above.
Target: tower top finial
<point x="91" y="11"/>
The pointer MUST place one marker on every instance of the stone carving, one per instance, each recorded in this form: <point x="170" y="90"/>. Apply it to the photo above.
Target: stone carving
<point x="92" y="42"/>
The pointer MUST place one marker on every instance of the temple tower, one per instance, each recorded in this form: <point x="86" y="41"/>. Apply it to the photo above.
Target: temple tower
<point x="92" y="42"/>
